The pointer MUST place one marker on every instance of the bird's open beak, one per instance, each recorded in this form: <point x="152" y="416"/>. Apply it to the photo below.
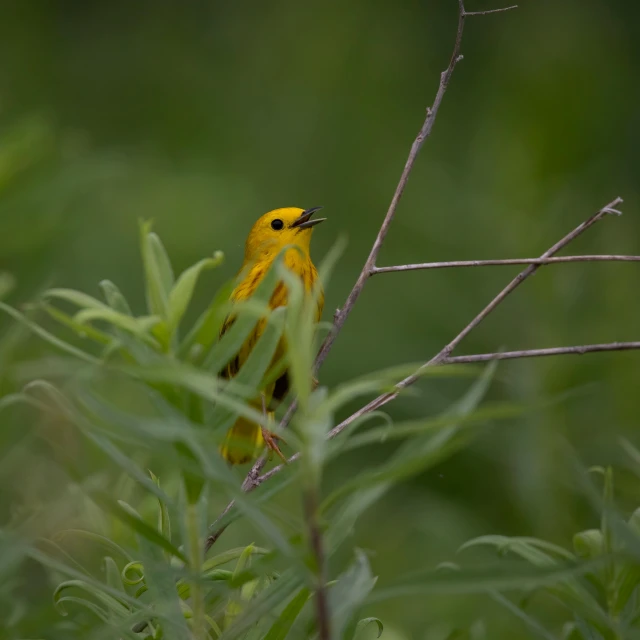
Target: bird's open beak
<point x="304" y="221"/>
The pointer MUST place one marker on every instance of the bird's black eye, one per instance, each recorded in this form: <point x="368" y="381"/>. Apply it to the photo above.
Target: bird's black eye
<point x="277" y="224"/>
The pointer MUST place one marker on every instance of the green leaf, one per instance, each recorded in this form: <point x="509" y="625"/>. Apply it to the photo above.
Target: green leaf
<point x="545" y="554"/>
<point x="77" y="298"/>
<point x="300" y="330"/>
<point x="409" y="463"/>
<point x="606" y="526"/>
<point x="181" y="294"/>
<point x="141" y="350"/>
<point x="500" y="577"/>
<point x="626" y="583"/>
<point x="281" y="627"/>
<point x="531" y="549"/>
<point x="160" y="581"/>
<point x="124" y="462"/>
<point x="129" y="516"/>
<point x="114" y="297"/>
<point x="105" y="542"/>
<point x="589" y="544"/>
<point x="313" y="426"/>
<point x="386" y="379"/>
<point x="203" y="384"/>
<point x="66" y="570"/>
<point x="112" y="604"/>
<point x="207" y="328"/>
<point x="413" y="456"/>
<point x="243" y="561"/>
<point x="82" y="330"/>
<point x="114" y="579"/>
<point x="157" y="270"/>
<point x="228" y="556"/>
<point x="571" y="591"/>
<point x="162" y="260"/>
<point x="344" y="518"/>
<point x="395" y="431"/>
<point x="350" y="592"/>
<point x="247" y="380"/>
<point x="48" y="337"/>
<point x="164" y="521"/>
<point x="246" y="314"/>
<point x="364" y="623"/>
<point x="99" y="612"/>
<point x="139" y="327"/>
<point x="531" y="622"/>
<point x="133" y="566"/>
<point x="264" y="604"/>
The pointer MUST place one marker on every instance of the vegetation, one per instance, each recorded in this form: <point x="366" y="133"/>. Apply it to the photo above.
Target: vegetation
<point x="467" y="508"/>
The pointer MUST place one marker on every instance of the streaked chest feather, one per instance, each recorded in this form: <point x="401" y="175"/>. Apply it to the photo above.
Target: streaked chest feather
<point x="298" y="265"/>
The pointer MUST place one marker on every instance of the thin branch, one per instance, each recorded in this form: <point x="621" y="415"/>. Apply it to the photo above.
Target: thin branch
<point x="491" y="263"/>
<point x="523" y="275"/>
<point x="254" y="479"/>
<point x="540" y="353"/>
<point x="480" y="357"/>
<point x="489" y="12"/>
<point x="317" y="549"/>
<point x="445" y="353"/>
<point x="424" y="133"/>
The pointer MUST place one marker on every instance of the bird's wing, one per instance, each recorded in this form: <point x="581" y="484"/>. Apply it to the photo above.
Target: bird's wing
<point x="280" y="390"/>
<point x="233" y="366"/>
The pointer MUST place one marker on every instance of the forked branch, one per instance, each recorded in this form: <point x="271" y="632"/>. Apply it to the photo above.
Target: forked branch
<point x="425" y="131"/>
<point x="367" y="270"/>
<point x="444" y="357"/>
<point x="470" y="359"/>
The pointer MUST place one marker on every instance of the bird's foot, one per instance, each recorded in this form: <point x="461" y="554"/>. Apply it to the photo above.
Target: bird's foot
<point x="271" y="441"/>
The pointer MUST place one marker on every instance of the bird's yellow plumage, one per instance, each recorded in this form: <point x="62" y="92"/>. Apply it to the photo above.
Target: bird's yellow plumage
<point x="272" y="232"/>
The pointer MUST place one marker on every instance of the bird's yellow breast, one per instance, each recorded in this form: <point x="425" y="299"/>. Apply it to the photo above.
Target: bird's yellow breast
<point x="299" y="265"/>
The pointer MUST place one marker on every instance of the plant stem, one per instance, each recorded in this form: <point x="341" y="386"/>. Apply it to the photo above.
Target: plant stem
<point x="317" y="550"/>
<point x="195" y="561"/>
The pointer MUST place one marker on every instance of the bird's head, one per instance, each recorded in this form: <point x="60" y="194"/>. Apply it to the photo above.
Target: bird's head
<point x="281" y="227"/>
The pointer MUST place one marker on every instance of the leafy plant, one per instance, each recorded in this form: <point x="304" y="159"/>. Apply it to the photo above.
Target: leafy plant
<point x="597" y="581"/>
<point x="141" y="392"/>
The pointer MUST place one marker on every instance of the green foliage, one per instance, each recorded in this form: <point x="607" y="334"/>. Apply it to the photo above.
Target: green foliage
<point x="140" y="397"/>
<point x="598" y="582"/>
<point x="170" y="412"/>
<point x="203" y="115"/>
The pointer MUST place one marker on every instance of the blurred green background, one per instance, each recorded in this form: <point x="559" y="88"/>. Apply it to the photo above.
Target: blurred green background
<point x="203" y="115"/>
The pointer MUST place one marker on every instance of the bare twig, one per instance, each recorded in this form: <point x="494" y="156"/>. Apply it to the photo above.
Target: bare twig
<point x="523" y="275"/>
<point x="480" y="357"/>
<point x="540" y="353"/>
<point x="511" y="261"/>
<point x="445" y="353"/>
<point x="423" y="134"/>
<point x="489" y="12"/>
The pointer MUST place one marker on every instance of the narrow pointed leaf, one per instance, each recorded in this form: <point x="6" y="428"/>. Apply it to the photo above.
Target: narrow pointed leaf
<point x="281" y="627"/>
<point x="182" y="292"/>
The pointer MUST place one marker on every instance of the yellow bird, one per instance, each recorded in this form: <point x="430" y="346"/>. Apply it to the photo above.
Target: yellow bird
<point x="270" y="234"/>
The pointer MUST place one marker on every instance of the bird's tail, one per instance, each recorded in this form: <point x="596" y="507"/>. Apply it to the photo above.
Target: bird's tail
<point x="242" y="442"/>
